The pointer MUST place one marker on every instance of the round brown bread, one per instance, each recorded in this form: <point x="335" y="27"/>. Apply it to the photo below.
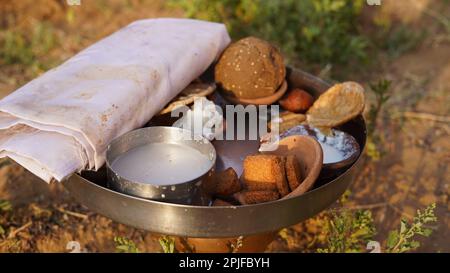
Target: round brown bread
<point x="293" y="172"/>
<point x="250" y="68"/>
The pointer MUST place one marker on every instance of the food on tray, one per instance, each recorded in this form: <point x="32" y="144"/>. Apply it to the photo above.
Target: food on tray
<point x="255" y="197"/>
<point x="337" y="105"/>
<point x="208" y="113"/>
<point x="286" y="121"/>
<point x="296" y="100"/>
<point x="188" y="95"/>
<point x="250" y="68"/>
<point x="293" y="172"/>
<point x="263" y="172"/>
<point x="282" y="184"/>
<point x="220" y="203"/>
<point x="227" y="182"/>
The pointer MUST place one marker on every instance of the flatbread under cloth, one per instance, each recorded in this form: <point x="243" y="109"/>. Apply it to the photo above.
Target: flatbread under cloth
<point x="62" y="122"/>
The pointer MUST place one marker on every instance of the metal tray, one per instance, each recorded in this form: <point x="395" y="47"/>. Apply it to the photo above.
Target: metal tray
<point x="89" y="188"/>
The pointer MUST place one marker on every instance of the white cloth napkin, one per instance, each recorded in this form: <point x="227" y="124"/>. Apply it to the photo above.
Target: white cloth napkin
<point x="62" y="122"/>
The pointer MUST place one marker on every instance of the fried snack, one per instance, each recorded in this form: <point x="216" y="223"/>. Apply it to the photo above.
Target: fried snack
<point x="209" y="184"/>
<point x="227" y="182"/>
<point x="293" y="172"/>
<point x="250" y="68"/>
<point x="220" y="203"/>
<point x="263" y="172"/>
<point x="296" y="100"/>
<point x="256" y="197"/>
<point x="337" y="105"/>
<point x="282" y="184"/>
<point x="188" y="96"/>
<point x="287" y="120"/>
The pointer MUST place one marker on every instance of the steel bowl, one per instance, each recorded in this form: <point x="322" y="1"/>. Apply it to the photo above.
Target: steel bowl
<point x="184" y="192"/>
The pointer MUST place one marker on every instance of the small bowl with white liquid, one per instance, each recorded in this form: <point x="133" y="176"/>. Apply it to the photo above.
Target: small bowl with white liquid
<point x="340" y="149"/>
<point x="160" y="163"/>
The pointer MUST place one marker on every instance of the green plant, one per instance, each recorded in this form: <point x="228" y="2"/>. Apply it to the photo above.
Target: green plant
<point x="402" y="240"/>
<point x="348" y="231"/>
<point x="167" y="243"/>
<point x="5" y="205"/>
<point x="125" y="245"/>
<point x="20" y="47"/>
<point x="313" y="31"/>
<point x="381" y="90"/>
<point x="399" y="40"/>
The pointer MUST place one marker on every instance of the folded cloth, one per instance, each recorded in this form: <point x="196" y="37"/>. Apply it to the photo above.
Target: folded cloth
<point x="62" y="122"/>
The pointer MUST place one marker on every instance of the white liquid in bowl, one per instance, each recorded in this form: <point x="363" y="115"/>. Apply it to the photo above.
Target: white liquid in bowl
<point x="161" y="164"/>
<point x="331" y="154"/>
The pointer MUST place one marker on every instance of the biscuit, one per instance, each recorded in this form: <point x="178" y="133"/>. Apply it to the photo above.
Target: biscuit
<point x="293" y="172"/>
<point x="282" y="184"/>
<point x="262" y="172"/>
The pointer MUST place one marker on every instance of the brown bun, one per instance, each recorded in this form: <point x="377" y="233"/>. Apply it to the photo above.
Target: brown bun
<point x="250" y="68"/>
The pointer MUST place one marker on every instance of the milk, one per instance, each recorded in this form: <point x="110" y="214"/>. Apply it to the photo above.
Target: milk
<point x="161" y="164"/>
<point x="330" y="153"/>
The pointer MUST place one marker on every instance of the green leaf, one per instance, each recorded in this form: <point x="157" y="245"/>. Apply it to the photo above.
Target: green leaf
<point x="5" y="205"/>
<point x="414" y="245"/>
<point x="426" y="232"/>
<point x="403" y="226"/>
<point x="392" y="239"/>
<point x="167" y="244"/>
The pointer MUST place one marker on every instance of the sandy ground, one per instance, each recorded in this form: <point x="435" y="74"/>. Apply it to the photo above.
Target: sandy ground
<point x="413" y="172"/>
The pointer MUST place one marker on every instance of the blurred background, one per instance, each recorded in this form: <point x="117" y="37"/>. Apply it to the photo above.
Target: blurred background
<point x="399" y="50"/>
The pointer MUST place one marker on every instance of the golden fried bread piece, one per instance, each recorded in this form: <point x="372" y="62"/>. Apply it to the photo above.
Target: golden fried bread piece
<point x="293" y="172"/>
<point x="263" y="172"/>
<point x="339" y="104"/>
